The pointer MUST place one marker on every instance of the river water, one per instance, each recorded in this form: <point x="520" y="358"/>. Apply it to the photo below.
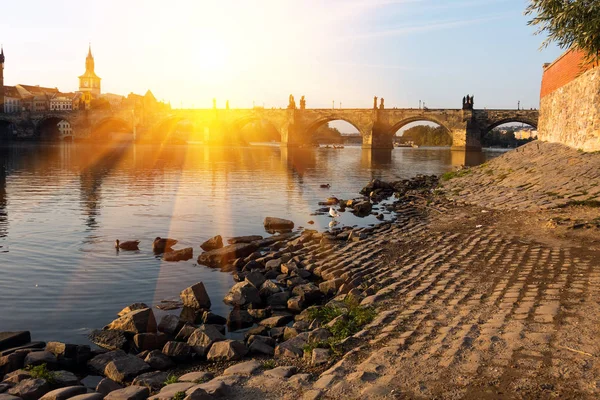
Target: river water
<point x="62" y="207"/>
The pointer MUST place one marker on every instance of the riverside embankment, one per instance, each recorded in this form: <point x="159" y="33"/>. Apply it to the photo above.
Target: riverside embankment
<point x="471" y="300"/>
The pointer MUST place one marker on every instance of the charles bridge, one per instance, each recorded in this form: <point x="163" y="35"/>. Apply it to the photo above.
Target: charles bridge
<point x="296" y="126"/>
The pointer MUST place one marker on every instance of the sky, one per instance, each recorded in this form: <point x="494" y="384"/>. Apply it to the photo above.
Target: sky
<point x="259" y="51"/>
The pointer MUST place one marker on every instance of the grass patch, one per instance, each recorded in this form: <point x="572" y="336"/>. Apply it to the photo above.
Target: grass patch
<point x="455" y="174"/>
<point x="179" y="396"/>
<point x="171" y="379"/>
<point x="42" y="372"/>
<point x="269" y="364"/>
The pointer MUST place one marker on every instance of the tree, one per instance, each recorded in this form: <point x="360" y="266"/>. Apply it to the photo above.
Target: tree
<point x="569" y="23"/>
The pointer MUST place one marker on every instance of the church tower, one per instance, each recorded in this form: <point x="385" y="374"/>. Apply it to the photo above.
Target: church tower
<point x="1" y="79"/>
<point x="89" y="82"/>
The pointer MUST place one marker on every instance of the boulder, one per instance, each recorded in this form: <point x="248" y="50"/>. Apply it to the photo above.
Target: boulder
<point x="308" y="292"/>
<point x="241" y="294"/>
<point x="110" y="340"/>
<point x="196" y="377"/>
<point x="247" y="368"/>
<point x="40" y="357"/>
<point x="260" y="347"/>
<point x="203" y="338"/>
<point x="277" y="320"/>
<point x="331" y="287"/>
<point x="6" y="396"/>
<point x="274" y="264"/>
<point x="215" y="387"/>
<point x="268" y="288"/>
<point x="293" y="348"/>
<point x="278" y="300"/>
<point x="65" y="378"/>
<point x="220" y="257"/>
<point x="9" y="340"/>
<point x="191" y="315"/>
<point x="259" y="313"/>
<point x="213" y="243"/>
<point x="295" y="304"/>
<point x="125" y="368"/>
<point x="319" y="335"/>
<point x="319" y="356"/>
<point x="129" y="393"/>
<point x="255" y="278"/>
<point x="362" y="208"/>
<point x="150" y="341"/>
<point x="179" y="351"/>
<point x="132" y="307"/>
<point x="137" y="321"/>
<point x="16" y="376"/>
<point x="60" y="349"/>
<point x="239" y="319"/>
<point x="227" y="350"/>
<point x="244" y="239"/>
<point x="91" y="381"/>
<point x="11" y="362"/>
<point x="213" y="319"/>
<point x="152" y="380"/>
<point x="88" y="396"/>
<point x="281" y="372"/>
<point x="179" y="255"/>
<point x="64" y="393"/>
<point x="107" y="385"/>
<point x="273" y="223"/>
<point x="195" y="296"/>
<point x="157" y="360"/>
<point x="170" y="324"/>
<point x="185" y="332"/>
<point x="30" y="389"/>
<point x="169" y="391"/>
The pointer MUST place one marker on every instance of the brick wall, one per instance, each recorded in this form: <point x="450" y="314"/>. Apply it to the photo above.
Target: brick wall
<point x="562" y="71"/>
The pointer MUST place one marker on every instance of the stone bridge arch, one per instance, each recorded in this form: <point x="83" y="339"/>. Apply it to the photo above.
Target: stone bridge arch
<point x="517" y="119"/>
<point x="104" y="129"/>
<point x="46" y="127"/>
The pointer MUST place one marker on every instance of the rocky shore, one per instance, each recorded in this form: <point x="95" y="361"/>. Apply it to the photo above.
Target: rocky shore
<point x="303" y="299"/>
<point x="456" y="297"/>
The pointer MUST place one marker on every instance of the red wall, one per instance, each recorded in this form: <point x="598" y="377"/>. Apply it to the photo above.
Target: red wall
<point x="562" y="71"/>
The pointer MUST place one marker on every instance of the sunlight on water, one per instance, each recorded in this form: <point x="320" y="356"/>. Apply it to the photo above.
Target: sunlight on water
<point x="63" y="206"/>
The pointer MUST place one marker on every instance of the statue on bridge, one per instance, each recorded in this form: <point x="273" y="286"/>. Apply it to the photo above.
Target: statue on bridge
<point x="468" y="102"/>
<point x="292" y="103"/>
<point x="227" y="105"/>
<point x="375" y="103"/>
<point x="302" y="103"/>
<point x="381" y="105"/>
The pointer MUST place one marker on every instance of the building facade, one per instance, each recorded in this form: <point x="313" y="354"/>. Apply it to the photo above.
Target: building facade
<point x="12" y="100"/>
<point x="65" y="101"/>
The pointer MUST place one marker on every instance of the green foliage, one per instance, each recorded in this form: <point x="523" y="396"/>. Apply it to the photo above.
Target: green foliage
<point x="568" y="23"/>
<point x="425" y="135"/>
<point x="171" y="379"/>
<point x="42" y="372"/>
<point x="179" y="396"/>
<point x="269" y="364"/>
<point x="455" y="174"/>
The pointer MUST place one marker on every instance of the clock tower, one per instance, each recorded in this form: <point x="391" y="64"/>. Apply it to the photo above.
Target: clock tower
<point x="89" y="82"/>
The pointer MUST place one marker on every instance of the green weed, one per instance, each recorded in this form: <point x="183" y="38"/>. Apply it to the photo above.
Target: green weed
<point x="42" y="372"/>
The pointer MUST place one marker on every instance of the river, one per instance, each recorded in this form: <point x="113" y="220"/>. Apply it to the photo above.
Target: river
<point x="62" y="207"/>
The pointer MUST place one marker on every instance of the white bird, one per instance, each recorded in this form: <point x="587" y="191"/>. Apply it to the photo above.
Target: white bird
<point x="333" y="213"/>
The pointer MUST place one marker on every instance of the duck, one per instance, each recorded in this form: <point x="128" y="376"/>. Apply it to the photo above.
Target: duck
<point x="128" y="245"/>
<point x="325" y="186"/>
<point x="162" y="244"/>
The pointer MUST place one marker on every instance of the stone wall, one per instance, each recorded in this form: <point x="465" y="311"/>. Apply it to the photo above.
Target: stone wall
<point x="571" y="114"/>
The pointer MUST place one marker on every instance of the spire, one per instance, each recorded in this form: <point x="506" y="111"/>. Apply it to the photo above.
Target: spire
<point x="1" y="53"/>
<point x="90" y="50"/>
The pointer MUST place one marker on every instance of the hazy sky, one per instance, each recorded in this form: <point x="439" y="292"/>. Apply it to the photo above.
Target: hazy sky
<point x="188" y="52"/>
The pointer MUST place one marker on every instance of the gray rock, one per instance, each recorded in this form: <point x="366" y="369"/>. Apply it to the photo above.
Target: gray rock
<point x="309" y="292"/>
<point x="12" y="362"/>
<point x="213" y="243"/>
<point x="295" y="303"/>
<point x="88" y="396"/>
<point x="125" y="368"/>
<point x="62" y="349"/>
<point x="157" y="360"/>
<point x="153" y="380"/>
<point x="331" y="287"/>
<point x="244" y="369"/>
<point x="213" y="319"/>
<point x="255" y="278"/>
<point x="179" y="255"/>
<point x="318" y="335"/>
<point x="259" y="347"/>
<point x="132" y="307"/>
<point x="241" y="294"/>
<point x="276" y="321"/>
<point x="319" y="356"/>
<point x="179" y="351"/>
<point x="203" y="338"/>
<point x="149" y="341"/>
<point x="169" y="391"/>
<point x="14" y="339"/>
<point x="107" y="386"/>
<point x="278" y="300"/>
<point x="65" y="378"/>
<point x="220" y="257"/>
<point x="129" y="393"/>
<point x="185" y="332"/>
<point x="196" y="377"/>
<point x="293" y="348"/>
<point x="170" y="324"/>
<point x="227" y="350"/>
<point x="40" y="357"/>
<point x="273" y="223"/>
<point x="64" y="393"/>
<point x="17" y="376"/>
<point x="6" y="396"/>
<point x="91" y="381"/>
<point x="110" y="340"/>
<point x="215" y="388"/>
<point x="30" y="389"/>
<point x="281" y="372"/>
<point x="244" y="239"/>
<point x="138" y="321"/>
<point x="195" y="296"/>
<point x="98" y="364"/>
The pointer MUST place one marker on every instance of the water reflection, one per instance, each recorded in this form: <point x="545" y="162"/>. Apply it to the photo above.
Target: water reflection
<point x="139" y="192"/>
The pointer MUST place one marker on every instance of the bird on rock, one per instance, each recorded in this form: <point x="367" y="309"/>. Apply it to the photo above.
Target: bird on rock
<point x="128" y="245"/>
<point x="162" y="244"/>
<point x="333" y="213"/>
